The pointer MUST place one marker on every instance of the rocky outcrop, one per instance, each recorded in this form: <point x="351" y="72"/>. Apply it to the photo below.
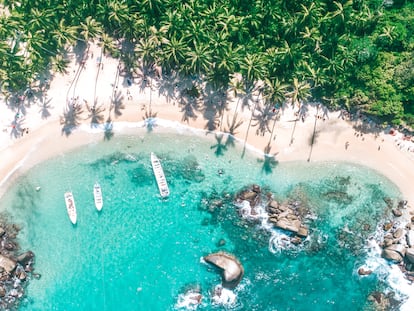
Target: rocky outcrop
<point x="232" y="269"/>
<point x="15" y="269"/>
<point x="398" y="243"/>
<point x="7" y="264"/>
<point x="286" y="216"/>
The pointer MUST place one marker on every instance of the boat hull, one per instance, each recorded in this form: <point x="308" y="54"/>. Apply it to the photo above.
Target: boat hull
<point x="71" y="207"/>
<point x="159" y="176"/>
<point x="97" y="195"/>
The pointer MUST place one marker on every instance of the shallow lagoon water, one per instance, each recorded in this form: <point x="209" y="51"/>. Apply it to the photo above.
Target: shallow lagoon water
<point x="141" y="252"/>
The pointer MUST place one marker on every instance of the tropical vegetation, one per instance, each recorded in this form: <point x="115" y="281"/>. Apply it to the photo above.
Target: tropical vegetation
<point x="355" y="54"/>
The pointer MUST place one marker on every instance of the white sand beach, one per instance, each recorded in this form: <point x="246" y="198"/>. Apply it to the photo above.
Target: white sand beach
<point x="44" y="134"/>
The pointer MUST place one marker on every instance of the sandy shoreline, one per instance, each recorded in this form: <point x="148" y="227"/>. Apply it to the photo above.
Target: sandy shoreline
<point x="383" y="152"/>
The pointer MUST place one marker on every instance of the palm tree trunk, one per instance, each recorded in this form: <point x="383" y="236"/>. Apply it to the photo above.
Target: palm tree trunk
<point x="273" y="129"/>
<point x="248" y="128"/>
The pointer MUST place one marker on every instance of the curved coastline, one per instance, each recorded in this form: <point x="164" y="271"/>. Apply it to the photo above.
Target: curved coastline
<point x="314" y="138"/>
<point x="46" y="141"/>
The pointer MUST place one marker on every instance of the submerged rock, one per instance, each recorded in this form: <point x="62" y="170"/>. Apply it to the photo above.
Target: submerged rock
<point x="232" y="269"/>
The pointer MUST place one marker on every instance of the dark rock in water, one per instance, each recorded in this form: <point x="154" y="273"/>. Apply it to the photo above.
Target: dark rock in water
<point x="397" y="212"/>
<point x="21" y="275"/>
<point x="232" y="269"/>
<point x="14" y="274"/>
<point x="362" y="271"/>
<point x="338" y="196"/>
<point x="379" y="300"/>
<point x="9" y="245"/>
<point x="402" y="203"/>
<point x="296" y="240"/>
<point x="37" y="276"/>
<point x="256" y="188"/>
<point x="389" y="202"/>
<point x="409" y="255"/>
<point x="221" y="242"/>
<point x="25" y="258"/>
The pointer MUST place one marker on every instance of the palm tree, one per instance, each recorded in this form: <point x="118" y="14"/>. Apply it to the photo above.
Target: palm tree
<point x="274" y="94"/>
<point x="199" y="59"/>
<point x="60" y="63"/>
<point x="300" y="92"/>
<point x="90" y="29"/>
<point x="64" y="34"/>
<point x="237" y="88"/>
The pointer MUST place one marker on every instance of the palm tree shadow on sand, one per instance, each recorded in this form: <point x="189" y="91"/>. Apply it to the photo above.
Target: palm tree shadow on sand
<point x="220" y="147"/>
<point x="96" y="114"/>
<point x="70" y="119"/>
<point x="269" y="161"/>
<point x="118" y="103"/>
<point x="45" y="108"/>
<point x="231" y="130"/>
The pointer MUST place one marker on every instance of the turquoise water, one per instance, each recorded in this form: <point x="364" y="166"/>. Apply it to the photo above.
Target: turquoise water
<point x="141" y="253"/>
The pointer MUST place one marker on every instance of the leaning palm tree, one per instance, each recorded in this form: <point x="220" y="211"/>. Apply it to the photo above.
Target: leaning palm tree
<point x="275" y="95"/>
<point x="238" y="90"/>
<point x="299" y="93"/>
<point x="254" y="70"/>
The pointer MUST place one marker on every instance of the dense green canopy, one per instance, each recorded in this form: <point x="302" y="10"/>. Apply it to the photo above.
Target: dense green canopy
<point x="358" y="54"/>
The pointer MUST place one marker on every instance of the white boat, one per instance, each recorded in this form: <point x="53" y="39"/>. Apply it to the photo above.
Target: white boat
<point x="70" y="206"/>
<point x="97" y="195"/>
<point x="159" y="176"/>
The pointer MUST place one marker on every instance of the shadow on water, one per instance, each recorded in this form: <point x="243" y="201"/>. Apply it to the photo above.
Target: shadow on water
<point x="231" y="129"/>
<point x="269" y="161"/>
<point x="149" y="120"/>
<point x="219" y="147"/>
<point x="108" y="129"/>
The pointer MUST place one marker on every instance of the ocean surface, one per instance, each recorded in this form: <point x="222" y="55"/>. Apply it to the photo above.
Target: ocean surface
<point x="144" y="253"/>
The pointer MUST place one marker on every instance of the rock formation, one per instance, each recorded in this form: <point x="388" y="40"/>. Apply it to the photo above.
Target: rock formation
<point x="286" y="216"/>
<point x="15" y="269"/>
<point x="232" y="269"/>
<point x="398" y="242"/>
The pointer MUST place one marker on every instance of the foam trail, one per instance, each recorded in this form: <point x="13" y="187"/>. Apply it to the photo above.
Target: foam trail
<point x="188" y="301"/>
<point x="223" y="296"/>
